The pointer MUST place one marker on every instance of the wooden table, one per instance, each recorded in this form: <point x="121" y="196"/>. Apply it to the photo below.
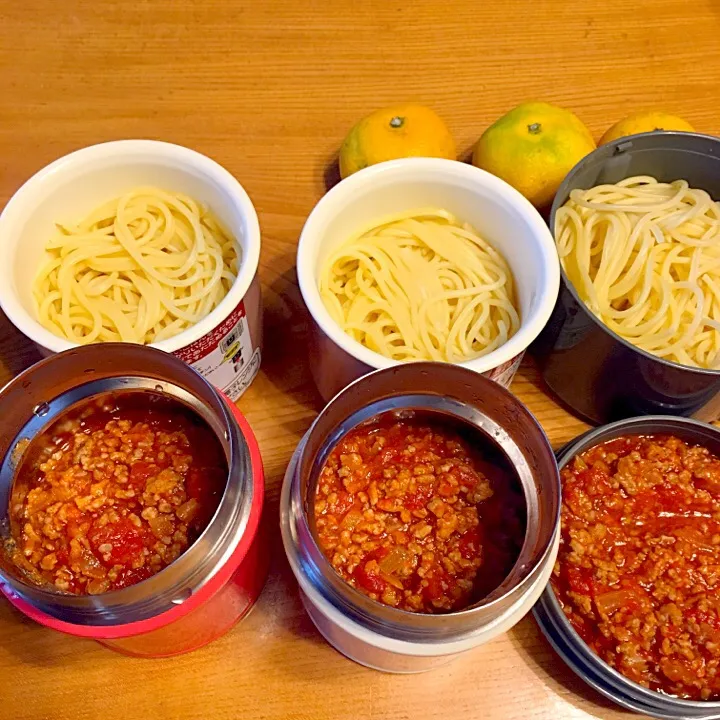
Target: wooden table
<point x="269" y="89"/>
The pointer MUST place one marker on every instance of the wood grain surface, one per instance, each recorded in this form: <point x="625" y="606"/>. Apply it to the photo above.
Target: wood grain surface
<point x="269" y="88"/>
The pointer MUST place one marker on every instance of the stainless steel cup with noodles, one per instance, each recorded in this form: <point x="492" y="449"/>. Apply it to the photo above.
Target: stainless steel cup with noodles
<point x="598" y="374"/>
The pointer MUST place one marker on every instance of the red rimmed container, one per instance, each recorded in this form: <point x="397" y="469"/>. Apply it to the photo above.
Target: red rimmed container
<point x="216" y="581"/>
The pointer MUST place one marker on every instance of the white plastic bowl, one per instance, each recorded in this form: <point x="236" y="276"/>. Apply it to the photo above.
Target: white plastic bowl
<point x="74" y="185"/>
<point x="498" y="212"/>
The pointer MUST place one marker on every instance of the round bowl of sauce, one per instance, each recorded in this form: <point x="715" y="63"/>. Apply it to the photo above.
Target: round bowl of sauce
<point x="632" y="605"/>
<point x="131" y="495"/>
<point x="415" y="515"/>
<point x="419" y="515"/>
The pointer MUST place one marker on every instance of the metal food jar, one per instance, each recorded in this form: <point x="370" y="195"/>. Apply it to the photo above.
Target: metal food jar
<point x="383" y="637"/>
<point x="600" y="375"/>
<point x="562" y="635"/>
<point x="216" y="581"/>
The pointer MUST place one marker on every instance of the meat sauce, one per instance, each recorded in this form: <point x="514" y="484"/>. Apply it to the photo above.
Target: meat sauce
<point x="410" y="514"/>
<point x="638" y="573"/>
<point x="113" y="492"/>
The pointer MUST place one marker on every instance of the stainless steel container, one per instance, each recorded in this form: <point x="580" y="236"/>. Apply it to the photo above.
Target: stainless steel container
<point x="37" y="397"/>
<point x="381" y="636"/>
<point x="557" y="628"/>
<point x="597" y="373"/>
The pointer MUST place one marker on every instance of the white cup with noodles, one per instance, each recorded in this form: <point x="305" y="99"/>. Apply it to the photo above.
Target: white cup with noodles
<point x="225" y="346"/>
<point x="498" y="212"/>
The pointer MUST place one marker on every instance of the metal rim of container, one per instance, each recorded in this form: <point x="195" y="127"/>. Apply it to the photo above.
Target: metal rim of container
<point x="604" y="152"/>
<point x="557" y="628"/>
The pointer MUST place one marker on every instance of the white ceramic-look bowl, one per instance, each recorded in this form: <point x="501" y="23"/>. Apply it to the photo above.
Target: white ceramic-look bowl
<point x="71" y="187"/>
<point x="496" y="210"/>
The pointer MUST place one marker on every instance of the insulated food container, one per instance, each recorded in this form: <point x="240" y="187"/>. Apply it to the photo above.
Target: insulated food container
<point x="558" y="629"/>
<point x="498" y="212"/>
<point x="226" y="345"/>
<point x="598" y="374"/>
<point x="384" y="637"/>
<point x="210" y="586"/>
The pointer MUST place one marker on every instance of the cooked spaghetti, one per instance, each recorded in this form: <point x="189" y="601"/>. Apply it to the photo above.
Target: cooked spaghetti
<point x="421" y="286"/>
<point x="645" y="258"/>
<point x="140" y="268"/>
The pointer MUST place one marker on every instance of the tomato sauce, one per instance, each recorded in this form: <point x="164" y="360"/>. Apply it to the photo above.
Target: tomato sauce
<point x="638" y="572"/>
<point x="415" y="516"/>
<point x="113" y="492"/>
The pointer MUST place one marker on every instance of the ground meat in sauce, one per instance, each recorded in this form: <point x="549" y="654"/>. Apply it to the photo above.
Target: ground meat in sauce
<point x="638" y="573"/>
<point x="113" y="493"/>
<point x="409" y="515"/>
